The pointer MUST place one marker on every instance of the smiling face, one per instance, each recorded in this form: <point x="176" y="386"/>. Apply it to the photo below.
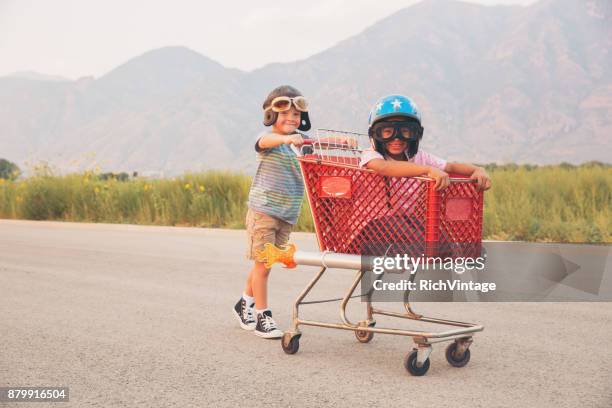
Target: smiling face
<point x="396" y="147"/>
<point x="287" y="121"/>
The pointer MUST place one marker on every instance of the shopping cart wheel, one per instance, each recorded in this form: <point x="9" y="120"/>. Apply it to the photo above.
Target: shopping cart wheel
<point x="410" y="362"/>
<point x="291" y="343"/>
<point x="365" y="336"/>
<point x="452" y="359"/>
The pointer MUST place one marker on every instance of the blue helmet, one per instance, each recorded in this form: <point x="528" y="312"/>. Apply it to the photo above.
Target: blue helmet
<point x="395" y="106"/>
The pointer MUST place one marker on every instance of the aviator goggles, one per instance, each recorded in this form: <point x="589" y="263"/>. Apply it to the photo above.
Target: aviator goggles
<point x="388" y="131"/>
<point x="283" y="103"/>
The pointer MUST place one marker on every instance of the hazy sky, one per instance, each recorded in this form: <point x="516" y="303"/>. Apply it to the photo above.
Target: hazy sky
<point x="73" y="38"/>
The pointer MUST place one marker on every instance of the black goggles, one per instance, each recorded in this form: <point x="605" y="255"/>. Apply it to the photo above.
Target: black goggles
<point x="388" y="131"/>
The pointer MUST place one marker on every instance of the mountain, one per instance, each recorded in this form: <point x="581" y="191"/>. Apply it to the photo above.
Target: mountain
<point x="494" y="83"/>
<point x="36" y="76"/>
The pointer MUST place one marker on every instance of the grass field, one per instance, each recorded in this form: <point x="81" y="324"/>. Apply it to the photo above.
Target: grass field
<point x="561" y="203"/>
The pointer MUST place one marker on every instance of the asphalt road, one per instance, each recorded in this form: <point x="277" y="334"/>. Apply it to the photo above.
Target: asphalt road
<point x="133" y="316"/>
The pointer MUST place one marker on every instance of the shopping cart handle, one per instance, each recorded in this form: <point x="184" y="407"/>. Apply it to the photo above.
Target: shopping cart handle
<point x="461" y="180"/>
<point x="451" y="179"/>
<point x="289" y="256"/>
<point x="307" y="142"/>
<point x="309" y="145"/>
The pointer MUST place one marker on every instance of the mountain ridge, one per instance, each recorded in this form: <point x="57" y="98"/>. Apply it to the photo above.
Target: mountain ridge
<point x="494" y="83"/>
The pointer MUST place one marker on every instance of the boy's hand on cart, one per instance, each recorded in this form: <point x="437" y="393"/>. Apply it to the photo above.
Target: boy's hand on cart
<point x="483" y="181"/>
<point x="295" y="139"/>
<point x="440" y="177"/>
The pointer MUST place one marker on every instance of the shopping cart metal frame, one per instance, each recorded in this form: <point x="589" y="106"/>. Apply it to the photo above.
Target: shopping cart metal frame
<point x="416" y="361"/>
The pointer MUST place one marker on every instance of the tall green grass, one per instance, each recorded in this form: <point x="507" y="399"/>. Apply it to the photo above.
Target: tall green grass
<point x="550" y="204"/>
<point x="211" y="199"/>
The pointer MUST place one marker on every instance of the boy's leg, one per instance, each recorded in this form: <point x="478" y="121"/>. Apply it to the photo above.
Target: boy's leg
<point x="261" y="229"/>
<point x="259" y="274"/>
<point x="259" y="285"/>
<point x="244" y="308"/>
<point x="244" y="311"/>
<point x="268" y="230"/>
<point x="248" y="288"/>
<point x="265" y="325"/>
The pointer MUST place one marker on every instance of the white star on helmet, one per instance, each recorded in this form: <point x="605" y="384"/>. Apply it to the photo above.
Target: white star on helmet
<point x="396" y="104"/>
<point x="379" y="106"/>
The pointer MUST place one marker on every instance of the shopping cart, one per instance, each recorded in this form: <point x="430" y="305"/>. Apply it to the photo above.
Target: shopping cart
<point x="357" y="212"/>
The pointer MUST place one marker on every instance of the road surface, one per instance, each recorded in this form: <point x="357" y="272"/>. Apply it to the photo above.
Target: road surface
<point x="137" y="316"/>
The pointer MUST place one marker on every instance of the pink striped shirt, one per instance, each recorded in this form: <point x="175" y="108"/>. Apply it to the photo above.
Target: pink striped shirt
<point x="421" y="158"/>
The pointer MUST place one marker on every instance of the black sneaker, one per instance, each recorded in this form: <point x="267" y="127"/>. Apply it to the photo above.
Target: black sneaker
<point x="244" y="314"/>
<point x="266" y="326"/>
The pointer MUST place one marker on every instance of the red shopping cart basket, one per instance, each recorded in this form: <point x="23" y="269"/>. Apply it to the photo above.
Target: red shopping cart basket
<point x="357" y="211"/>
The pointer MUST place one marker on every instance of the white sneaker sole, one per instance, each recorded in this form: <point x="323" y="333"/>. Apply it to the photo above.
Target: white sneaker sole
<point x="247" y="327"/>
<point x="276" y="334"/>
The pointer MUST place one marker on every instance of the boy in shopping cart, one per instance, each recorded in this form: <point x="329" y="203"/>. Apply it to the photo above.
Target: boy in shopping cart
<point x="395" y="130"/>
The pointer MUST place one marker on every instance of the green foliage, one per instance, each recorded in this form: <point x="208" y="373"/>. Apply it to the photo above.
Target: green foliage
<point x="562" y="203"/>
<point x="8" y="170"/>
<point x="123" y="176"/>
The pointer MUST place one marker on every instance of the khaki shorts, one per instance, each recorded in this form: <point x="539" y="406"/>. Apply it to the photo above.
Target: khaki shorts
<point x="263" y="228"/>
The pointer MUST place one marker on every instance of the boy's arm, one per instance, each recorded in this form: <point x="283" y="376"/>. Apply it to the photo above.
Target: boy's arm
<point x="476" y="173"/>
<point x="270" y="140"/>
<point x="407" y="169"/>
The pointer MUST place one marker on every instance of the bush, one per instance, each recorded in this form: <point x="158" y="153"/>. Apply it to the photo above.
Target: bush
<point x="9" y="170"/>
<point x="44" y="198"/>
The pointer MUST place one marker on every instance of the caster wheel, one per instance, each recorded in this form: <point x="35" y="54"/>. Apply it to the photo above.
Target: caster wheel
<point x="453" y="360"/>
<point x="410" y="364"/>
<point x="365" y="336"/>
<point x="291" y="343"/>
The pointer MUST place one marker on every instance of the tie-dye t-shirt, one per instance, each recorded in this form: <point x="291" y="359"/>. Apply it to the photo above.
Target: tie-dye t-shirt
<point x="278" y="188"/>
